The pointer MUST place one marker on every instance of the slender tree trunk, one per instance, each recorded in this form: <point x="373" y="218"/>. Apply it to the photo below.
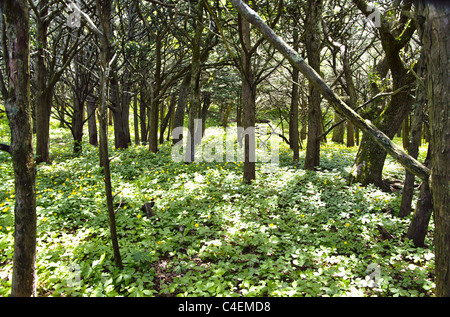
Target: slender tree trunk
<point x="104" y="12"/>
<point x="293" y="112"/>
<point x="181" y="106"/>
<point x="205" y="108"/>
<point x="418" y="227"/>
<point x="78" y="105"/>
<point x="313" y="45"/>
<point x="413" y="147"/>
<point x="353" y="99"/>
<point x="436" y="40"/>
<point x="136" y="120"/>
<point x="43" y="95"/>
<point x="248" y="101"/>
<point x="18" y="109"/>
<point x="195" y="86"/>
<point x="154" y="104"/>
<point x="339" y="131"/>
<point x="143" y="116"/>
<point x="92" y="122"/>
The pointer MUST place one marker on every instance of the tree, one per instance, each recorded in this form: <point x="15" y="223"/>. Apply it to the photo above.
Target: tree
<point x="248" y="99"/>
<point x="436" y="40"/>
<point x="14" y="18"/>
<point x="297" y="61"/>
<point x="49" y="68"/>
<point x="104" y="8"/>
<point x="313" y="47"/>
<point x="368" y="166"/>
<point x="195" y="84"/>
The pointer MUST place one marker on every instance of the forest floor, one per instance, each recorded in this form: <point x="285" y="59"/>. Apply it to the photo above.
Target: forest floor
<point x="291" y="233"/>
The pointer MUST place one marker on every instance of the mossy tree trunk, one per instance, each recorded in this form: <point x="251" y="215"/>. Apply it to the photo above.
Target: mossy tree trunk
<point x="369" y="162"/>
<point x="15" y="19"/>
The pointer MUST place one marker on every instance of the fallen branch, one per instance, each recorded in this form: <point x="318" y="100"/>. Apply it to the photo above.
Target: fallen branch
<point x="343" y="109"/>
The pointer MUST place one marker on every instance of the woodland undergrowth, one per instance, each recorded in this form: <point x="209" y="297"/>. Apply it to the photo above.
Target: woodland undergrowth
<point x="291" y="233"/>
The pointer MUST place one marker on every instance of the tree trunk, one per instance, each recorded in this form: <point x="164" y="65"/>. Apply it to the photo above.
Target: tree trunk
<point x="143" y="116"/>
<point x="248" y="101"/>
<point x="120" y="108"/>
<point x="293" y="112"/>
<point x="413" y="147"/>
<point x="166" y="120"/>
<point x="153" y="118"/>
<point x="353" y="99"/>
<point x="418" y="228"/>
<point x="104" y="12"/>
<point x="313" y="45"/>
<point x="92" y="122"/>
<point x="183" y="96"/>
<point x="136" y="120"/>
<point x="43" y="95"/>
<point x="78" y="105"/>
<point x="205" y="108"/>
<point x="339" y="131"/>
<point x="436" y="41"/>
<point x="18" y="109"/>
<point x="195" y="86"/>
<point x="369" y="162"/>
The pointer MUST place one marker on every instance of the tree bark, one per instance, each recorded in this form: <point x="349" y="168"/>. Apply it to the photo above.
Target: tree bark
<point x="313" y="48"/>
<point x="248" y="101"/>
<point x="18" y="109"/>
<point x="43" y="95"/>
<point x="436" y="41"/>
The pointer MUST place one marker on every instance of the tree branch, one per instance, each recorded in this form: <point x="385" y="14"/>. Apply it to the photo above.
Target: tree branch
<point x="297" y="61"/>
<point x="5" y="148"/>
